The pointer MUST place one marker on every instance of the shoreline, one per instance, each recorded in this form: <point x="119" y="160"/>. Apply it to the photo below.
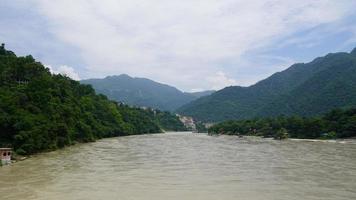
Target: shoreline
<point x="342" y="141"/>
<point x="338" y="140"/>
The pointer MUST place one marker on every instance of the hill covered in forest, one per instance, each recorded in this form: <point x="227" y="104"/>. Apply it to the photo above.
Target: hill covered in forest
<point x="43" y="111"/>
<point x="143" y="92"/>
<point x="304" y="89"/>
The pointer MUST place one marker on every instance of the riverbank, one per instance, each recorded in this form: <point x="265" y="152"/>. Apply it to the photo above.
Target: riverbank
<point x="336" y="124"/>
<point x="351" y="140"/>
<point x="348" y="140"/>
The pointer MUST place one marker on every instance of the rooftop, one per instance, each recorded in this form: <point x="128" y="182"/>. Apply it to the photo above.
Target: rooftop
<point x="5" y="149"/>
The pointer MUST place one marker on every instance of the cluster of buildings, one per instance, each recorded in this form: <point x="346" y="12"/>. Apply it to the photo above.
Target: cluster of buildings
<point x="188" y="122"/>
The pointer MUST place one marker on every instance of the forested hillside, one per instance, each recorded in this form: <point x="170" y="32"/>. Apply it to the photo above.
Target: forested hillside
<point x="143" y="92"/>
<point x="41" y="111"/>
<point x="303" y="89"/>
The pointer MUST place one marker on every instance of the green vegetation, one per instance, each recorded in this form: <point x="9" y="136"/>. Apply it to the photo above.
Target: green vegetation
<point x="40" y="111"/>
<point x="335" y="124"/>
<point x="169" y="121"/>
<point x="165" y="120"/>
<point x="309" y="89"/>
<point x="142" y="92"/>
<point x="281" y="134"/>
<point x="201" y="127"/>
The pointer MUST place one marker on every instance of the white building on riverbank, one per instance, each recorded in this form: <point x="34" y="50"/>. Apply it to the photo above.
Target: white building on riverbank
<point x="188" y="122"/>
<point x="5" y="155"/>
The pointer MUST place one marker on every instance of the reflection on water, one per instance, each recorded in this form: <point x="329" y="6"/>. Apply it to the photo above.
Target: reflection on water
<point x="186" y="166"/>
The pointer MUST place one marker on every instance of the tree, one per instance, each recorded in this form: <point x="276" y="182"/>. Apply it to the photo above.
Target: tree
<point x="281" y="134"/>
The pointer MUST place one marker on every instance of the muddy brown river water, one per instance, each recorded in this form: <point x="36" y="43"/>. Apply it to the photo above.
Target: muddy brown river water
<point x="186" y="166"/>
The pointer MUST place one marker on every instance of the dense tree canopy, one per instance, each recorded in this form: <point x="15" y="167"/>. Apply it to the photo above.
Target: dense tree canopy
<point x="335" y="124"/>
<point x="41" y="111"/>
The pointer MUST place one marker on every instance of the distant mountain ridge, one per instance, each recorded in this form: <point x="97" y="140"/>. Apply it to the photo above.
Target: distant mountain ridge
<point x="200" y="94"/>
<point x="143" y="92"/>
<point x="303" y="89"/>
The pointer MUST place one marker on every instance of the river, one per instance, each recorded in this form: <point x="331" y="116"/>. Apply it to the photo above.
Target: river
<point x="186" y="166"/>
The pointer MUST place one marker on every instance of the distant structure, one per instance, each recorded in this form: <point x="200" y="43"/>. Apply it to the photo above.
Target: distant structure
<point x="22" y="82"/>
<point x="188" y="122"/>
<point x="149" y="109"/>
<point x="208" y="125"/>
<point x="5" y="155"/>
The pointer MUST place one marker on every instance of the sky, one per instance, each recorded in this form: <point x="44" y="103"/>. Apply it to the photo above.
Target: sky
<point x="193" y="45"/>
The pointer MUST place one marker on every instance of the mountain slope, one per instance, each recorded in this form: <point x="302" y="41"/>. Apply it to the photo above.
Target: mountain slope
<point x="304" y="89"/>
<point x="142" y="92"/>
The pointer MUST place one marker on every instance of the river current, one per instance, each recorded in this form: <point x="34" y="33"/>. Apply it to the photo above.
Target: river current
<point x="186" y="166"/>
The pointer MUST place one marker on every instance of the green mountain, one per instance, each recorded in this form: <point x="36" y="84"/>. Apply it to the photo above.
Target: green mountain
<point x="142" y="92"/>
<point x="41" y="111"/>
<point x="303" y="89"/>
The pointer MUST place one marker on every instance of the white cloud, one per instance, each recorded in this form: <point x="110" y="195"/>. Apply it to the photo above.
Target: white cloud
<point x="180" y="42"/>
<point x="220" y="80"/>
<point x="64" y="70"/>
<point x="196" y="90"/>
